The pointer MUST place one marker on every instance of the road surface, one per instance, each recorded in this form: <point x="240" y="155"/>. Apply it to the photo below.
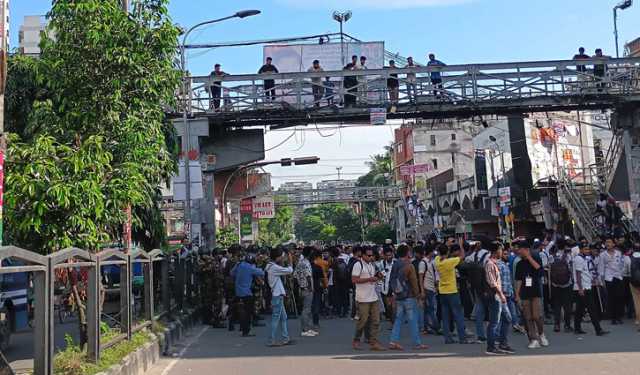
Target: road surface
<point x="217" y="351"/>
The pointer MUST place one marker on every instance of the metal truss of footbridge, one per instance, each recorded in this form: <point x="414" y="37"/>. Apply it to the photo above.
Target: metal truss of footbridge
<point x="465" y="91"/>
<point x="339" y="195"/>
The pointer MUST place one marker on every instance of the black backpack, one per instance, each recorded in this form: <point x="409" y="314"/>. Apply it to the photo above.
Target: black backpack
<point x="476" y="274"/>
<point x="635" y="272"/>
<point x="560" y="271"/>
<point x="341" y="272"/>
<point x="352" y="262"/>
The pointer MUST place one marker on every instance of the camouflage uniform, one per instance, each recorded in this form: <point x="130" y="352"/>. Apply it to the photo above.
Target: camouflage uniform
<point x="212" y="288"/>
<point x="257" y="288"/>
<point x="229" y="289"/>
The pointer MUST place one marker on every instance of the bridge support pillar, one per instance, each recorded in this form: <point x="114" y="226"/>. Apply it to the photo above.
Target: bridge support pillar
<point x="627" y="120"/>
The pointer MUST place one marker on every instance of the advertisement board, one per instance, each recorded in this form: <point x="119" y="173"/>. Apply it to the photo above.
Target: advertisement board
<point x="292" y="58"/>
<point x="264" y="207"/>
<point x="246" y="219"/>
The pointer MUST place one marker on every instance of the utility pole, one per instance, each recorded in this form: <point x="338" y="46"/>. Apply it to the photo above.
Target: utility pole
<point x="125" y="5"/>
<point x="4" y="46"/>
<point x="339" y="169"/>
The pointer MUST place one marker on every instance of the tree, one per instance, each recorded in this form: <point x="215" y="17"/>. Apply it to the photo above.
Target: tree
<point x="329" y="222"/>
<point x="227" y="236"/>
<point x="90" y="138"/>
<point x="278" y="230"/>
<point x="379" y="233"/>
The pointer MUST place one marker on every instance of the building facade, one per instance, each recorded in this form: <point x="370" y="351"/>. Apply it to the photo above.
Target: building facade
<point x="30" y="35"/>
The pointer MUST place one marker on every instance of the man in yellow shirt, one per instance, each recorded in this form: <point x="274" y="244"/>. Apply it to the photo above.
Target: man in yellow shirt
<point x="446" y="263"/>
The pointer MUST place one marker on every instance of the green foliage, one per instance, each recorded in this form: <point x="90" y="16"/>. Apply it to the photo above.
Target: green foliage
<point x="380" y="232"/>
<point x="380" y="170"/>
<point x="73" y="361"/>
<point x="278" y="230"/>
<point x="227" y="236"/>
<point x="89" y="132"/>
<point x="329" y="222"/>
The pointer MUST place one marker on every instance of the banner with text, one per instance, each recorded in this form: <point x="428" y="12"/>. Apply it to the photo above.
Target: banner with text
<point x="263" y="208"/>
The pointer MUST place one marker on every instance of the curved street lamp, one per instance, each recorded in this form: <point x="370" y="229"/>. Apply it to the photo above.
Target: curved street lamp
<point x="622" y="6"/>
<point x="186" y="144"/>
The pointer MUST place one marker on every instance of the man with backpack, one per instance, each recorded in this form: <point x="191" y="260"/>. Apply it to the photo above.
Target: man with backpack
<point x="365" y="278"/>
<point x="404" y="283"/>
<point x="634" y="280"/>
<point x="341" y="283"/>
<point x="475" y="273"/>
<point x="561" y="286"/>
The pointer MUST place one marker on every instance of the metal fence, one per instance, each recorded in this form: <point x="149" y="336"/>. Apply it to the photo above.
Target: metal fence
<point x="472" y="85"/>
<point x="175" y="288"/>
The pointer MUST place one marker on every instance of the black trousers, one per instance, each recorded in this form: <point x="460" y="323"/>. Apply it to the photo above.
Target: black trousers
<point x="269" y="89"/>
<point x="562" y="299"/>
<point x="589" y="302"/>
<point x="245" y="313"/>
<point x="216" y="93"/>
<point x="615" y="295"/>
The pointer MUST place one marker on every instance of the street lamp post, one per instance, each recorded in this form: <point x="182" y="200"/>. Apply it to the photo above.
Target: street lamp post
<point x="342" y="17"/>
<point x="497" y="181"/>
<point x="186" y="142"/>
<point x="286" y="162"/>
<point x="622" y="6"/>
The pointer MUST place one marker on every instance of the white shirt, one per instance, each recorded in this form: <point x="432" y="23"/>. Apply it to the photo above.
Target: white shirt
<point x="274" y="272"/>
<point x="365" y="292"/>
<point x="581" y="264"/>
<point x="431" y="277"/>
<point x="386" y="271"/>
<point x="612" y="265"/>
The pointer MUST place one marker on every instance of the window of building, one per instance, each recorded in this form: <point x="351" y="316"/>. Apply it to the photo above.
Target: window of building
<point x="453" y="137"/>
<point x="435" y="163"/>
<point x="399" y="148"/>
<point x="433" y="140"/>
<point x="453" y="158"/>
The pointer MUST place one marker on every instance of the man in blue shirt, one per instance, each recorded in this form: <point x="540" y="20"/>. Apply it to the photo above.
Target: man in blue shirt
<point x="436" y="76"/>
<point x="243" y="274"/>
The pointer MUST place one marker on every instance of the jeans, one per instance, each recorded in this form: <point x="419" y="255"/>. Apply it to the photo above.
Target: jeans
<point x="420" y="315"/>
<point x="216" y="93"/>
<point x="406" y="309"/>
<point x="479" y="313"/>
<point x="278" y="317"/>
<point x="411" y="92"/>
<point x="514" y="310"/>
<point x="451" y="304"/>
<point x="269" y="89"/>
<point x="430" y="317"/>
<point x="305" y="316"/>
<point x="499" y="323"/>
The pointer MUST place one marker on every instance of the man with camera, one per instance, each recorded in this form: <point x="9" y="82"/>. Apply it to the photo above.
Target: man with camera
<point x="278" y="267"/>
<point x="365" y="277"/>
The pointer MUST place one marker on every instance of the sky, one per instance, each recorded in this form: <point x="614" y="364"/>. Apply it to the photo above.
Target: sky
<point x="458" y="31"/>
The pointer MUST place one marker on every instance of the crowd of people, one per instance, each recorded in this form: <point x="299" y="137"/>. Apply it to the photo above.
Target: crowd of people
<point x="432" y="288"/>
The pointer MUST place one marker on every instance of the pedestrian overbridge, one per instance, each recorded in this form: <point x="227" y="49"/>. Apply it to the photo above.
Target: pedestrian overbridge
<point x="465" y="91"/>
<point x="339" y="195"/>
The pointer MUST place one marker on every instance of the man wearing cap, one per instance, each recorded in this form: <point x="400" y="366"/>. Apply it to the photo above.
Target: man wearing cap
<point x="269" y="84"/>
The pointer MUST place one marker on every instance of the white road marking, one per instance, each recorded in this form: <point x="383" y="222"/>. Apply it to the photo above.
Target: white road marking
<point x="184" y="350"/>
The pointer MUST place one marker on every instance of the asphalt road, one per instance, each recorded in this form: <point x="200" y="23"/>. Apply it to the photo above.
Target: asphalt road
<point x="217" y="351"/>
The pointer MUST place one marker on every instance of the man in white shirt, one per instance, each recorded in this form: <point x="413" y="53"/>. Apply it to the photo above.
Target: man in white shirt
<point x="365" y="278"/>
<point x="613" y="268"/>
<point x="583" y="266"/>
<point x="430" y="285"/>
<point x="276" y="269"/>
<point x="316" y="82"/>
